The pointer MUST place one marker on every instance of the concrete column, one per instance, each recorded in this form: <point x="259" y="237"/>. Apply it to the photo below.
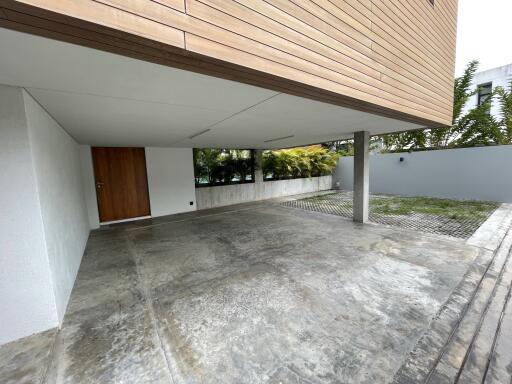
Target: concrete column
<point x="258" y="164"/>
<point x="361" y="176"/>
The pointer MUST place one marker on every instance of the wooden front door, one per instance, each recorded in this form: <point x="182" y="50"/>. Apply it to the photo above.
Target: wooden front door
<point x="121" y="183"/>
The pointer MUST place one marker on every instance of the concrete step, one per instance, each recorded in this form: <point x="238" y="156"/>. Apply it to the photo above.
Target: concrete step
<point x="500" y="363"/>
<point x="443" y="352"/>
<point x="465" y="356"/>
<point x="482" y="349"/>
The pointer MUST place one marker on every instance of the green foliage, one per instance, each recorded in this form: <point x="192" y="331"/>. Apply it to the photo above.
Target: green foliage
<point x="346" y="147"/>
<point x="403" y="205"/>
<point x="454" y="209"/>
<point x="222" y="166"/>
<point x="405" y="140"/>
<point x="341" y="147"/>
<point x="298" y="162"/>
<point x="475" y="127"/>
<point x="504" y="97"/>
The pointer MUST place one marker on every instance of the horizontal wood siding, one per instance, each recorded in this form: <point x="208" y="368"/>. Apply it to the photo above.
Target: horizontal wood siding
<point x="391" y="57"/>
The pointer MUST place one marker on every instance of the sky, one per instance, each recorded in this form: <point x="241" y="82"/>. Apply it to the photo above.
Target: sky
<point x="484" y="33"/>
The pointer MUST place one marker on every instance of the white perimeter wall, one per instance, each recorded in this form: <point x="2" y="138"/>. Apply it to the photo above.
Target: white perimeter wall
<point x="43" y="221"/>
<point x="57" y="166"/>
<point x="480" y="173"/>
<point x="170" y="180"/>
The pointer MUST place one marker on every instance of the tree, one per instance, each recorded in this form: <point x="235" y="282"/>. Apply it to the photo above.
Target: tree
<point x="477" y="127"/>
<point x="469" y="127"/>
<point x="222" y="166"/>
<point x="346" y="147"/>
<point x="404" y="141"/>
<point x="504" y="97"/>
<point x="443" y="137"/>
<point x="205" y="164"/>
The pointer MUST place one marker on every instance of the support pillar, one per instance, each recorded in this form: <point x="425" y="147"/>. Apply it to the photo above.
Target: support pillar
<point x="258" y="166"/>
<point x="361" y="176"/>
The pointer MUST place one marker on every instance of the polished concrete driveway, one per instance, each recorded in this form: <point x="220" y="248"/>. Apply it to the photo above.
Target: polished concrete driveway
<point x="265" y="294"/>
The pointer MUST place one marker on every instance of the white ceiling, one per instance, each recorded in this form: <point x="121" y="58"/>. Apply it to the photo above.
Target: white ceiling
<point x="105" y="99"/>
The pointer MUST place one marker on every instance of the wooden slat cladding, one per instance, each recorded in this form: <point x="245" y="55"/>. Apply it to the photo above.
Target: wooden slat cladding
<point x="391" y="57"/>
<point x="293" y="58"/>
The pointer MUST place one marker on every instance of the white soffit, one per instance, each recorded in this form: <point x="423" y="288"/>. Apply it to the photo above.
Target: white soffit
<point x="105" y="99"/>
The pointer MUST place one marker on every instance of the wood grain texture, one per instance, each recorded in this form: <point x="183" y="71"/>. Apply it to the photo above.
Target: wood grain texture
<point x="121" y="183"/>
<point x="394" y="57"/>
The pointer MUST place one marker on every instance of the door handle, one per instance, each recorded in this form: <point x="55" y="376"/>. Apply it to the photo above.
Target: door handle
<point x="99" y="184"/>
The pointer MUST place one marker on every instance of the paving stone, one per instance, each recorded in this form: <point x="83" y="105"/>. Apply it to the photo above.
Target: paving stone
<point x="340" y="204"/>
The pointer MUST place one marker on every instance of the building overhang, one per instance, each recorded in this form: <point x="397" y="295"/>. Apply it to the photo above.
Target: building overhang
<point x="107" y="99"/>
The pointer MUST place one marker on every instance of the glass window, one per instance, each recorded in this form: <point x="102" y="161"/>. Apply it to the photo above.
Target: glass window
<point x="214" y="166"/>
<point x="484" y="92"/>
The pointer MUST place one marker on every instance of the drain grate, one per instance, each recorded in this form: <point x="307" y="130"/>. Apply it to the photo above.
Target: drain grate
<point x="340" y="204"/>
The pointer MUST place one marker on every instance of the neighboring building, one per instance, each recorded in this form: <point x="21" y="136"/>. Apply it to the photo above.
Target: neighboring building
<point x="486" y="81"/>
<point x="165" y="76"/>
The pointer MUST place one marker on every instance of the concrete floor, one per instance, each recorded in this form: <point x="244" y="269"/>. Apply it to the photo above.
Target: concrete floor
<point x="266" y="294"/>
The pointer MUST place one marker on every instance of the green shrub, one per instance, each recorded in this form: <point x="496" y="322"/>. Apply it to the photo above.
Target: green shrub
<point x="298" y="162"/>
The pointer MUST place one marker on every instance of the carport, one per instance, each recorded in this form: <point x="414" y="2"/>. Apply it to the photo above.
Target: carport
<point x="241" y="294"/>
<point x="59" y="100"/>
<point x="257" y="292"/>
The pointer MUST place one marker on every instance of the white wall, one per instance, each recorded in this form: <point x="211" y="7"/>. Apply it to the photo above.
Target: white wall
<point x="210" y="197"/>
<point x="57" y="166"/>
<point x="499" y="76"/>
<point x="170" y="180"/>
<point x="480" y="173"/>
<point x="27" y="301"/>
<point x="87" y="171"/>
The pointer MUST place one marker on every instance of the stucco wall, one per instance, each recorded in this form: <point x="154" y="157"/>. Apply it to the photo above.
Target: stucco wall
<point x="209" y="197"/>
<point x="27" y="302"/>
<point x="499" y="77"/>
<point x="481" y="173"/>
<point x="170" y="180"/>
<point x="56" y="162"/>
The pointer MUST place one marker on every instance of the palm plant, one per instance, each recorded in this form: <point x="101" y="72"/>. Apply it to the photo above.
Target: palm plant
<point x="299" y="162"/>
<point x="322" y="161"/>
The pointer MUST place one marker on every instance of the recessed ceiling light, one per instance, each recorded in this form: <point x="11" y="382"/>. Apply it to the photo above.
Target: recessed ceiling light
<point x="279" y="138"/>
